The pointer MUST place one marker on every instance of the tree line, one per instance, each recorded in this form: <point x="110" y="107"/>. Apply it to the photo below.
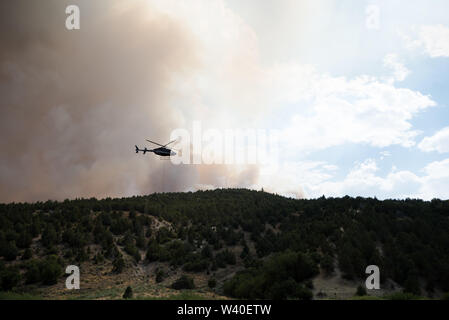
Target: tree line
<point x="209" y="230"/>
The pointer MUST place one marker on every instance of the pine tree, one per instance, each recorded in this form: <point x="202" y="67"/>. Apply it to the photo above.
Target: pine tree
<point x="361" y="291"/>
<point x="128" y="293"/>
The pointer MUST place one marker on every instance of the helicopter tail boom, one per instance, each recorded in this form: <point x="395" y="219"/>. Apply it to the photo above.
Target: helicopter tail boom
<point x="143" y="150"/>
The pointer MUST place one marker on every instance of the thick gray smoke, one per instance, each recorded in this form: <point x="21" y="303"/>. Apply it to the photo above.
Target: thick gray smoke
<point x="74" y="103"/>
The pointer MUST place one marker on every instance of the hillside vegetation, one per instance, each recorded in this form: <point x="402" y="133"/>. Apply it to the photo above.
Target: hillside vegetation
<point x="244" y="244"/>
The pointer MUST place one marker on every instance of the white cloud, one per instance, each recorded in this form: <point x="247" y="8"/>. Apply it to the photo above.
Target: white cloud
<point x="363" y="180"/>
<point x="293" y="178"/>
<point x="232" y="87"/>
<point x="439" y="142"/>
<point x="311" y="179"/>
<point x="400" y="72"/>
<point x="433" y="39"/>
<point x="435" y="184"/>
<point x="333" y="111"/>
<point x="438" y="169"/>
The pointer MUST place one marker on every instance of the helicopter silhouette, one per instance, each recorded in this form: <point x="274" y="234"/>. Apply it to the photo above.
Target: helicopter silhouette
<point x="162" y="151"/>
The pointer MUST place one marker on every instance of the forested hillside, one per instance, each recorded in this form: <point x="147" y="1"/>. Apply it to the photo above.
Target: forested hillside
<point x="272" y="246"/>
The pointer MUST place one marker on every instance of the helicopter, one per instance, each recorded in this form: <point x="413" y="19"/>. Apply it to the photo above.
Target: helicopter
<point x="161" y="151"/>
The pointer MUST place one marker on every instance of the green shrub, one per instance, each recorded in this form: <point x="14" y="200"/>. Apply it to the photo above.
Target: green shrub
<point x="303" y="293"/>
<point x="225" y="257"/>
<point x="27" y="254"/>
<point x="98" y="258"/>
<point x="212" y="283"/>
<point x="128" y="293"/>
<point x="184" y="282"/>
<point x="153" y="252"/>
<point x="9" y="250"/>
<point x="160" y="276"/>
<point x="327" y="264"/>
<point x="118" y="265"/>
<point x="361" y="291"/>
<point x="50" y="270"/>
<point x="280" y="277"/>
<point x="24" y="240"/>
<point x="9" y="278"/>
<point x="33" y="273"/>
<point x="132" y="251"/>
<point x="196" y="266"/>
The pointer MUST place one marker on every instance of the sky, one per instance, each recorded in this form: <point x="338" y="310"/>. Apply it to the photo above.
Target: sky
<point x="356" y="90"/>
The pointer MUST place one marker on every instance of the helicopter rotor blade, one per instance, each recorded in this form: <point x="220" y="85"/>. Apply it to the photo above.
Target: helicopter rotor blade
<point x="155" y="143"/>
<point x="170" y="142"/>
